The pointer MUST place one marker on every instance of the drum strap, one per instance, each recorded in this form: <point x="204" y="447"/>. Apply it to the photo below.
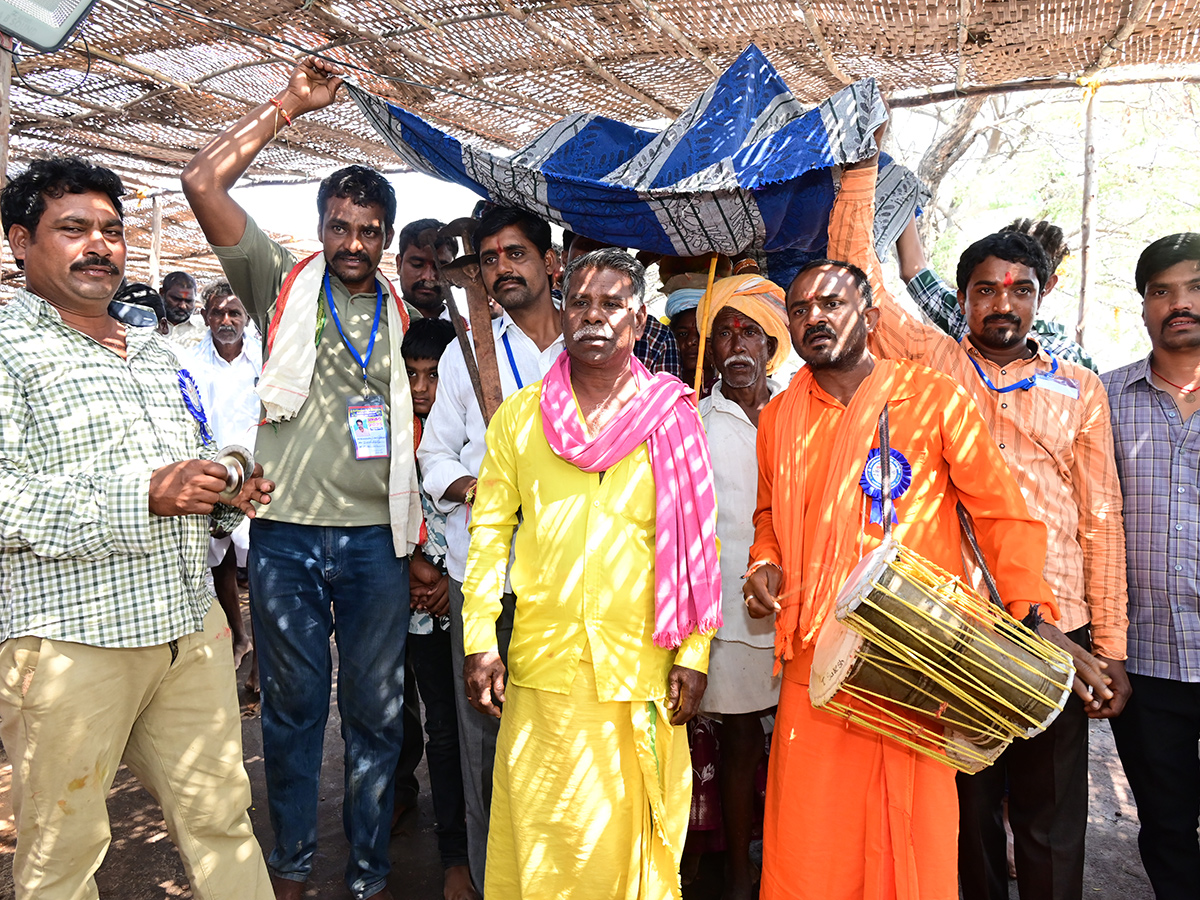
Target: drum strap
<point x="885" y="471"/>
<point x="964" y="519"/>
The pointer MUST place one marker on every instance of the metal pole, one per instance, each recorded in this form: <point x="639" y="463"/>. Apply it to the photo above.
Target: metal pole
<point x="1089" y="201"/>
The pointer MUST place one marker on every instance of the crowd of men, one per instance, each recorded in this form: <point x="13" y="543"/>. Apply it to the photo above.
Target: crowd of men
<point x="566" y="581"/>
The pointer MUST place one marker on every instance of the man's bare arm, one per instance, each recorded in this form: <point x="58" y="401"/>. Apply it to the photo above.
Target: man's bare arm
<point x="212" y="173"/>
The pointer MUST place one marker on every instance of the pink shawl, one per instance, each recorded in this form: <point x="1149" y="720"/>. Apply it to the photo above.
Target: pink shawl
<point x="663" y="416"/>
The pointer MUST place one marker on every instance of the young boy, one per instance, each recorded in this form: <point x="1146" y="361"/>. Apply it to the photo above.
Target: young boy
<point x="429" y="632"/>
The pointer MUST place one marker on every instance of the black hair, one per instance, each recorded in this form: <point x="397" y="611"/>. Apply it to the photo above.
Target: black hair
<point x="1164" y="253"/>
<point x="426" y="339"/>
<point x="411" y="234"/>
<point x="1050" y="236"/>
<point x="173" y="278"/>
<point x="1010" y="246"/>
<point x="363" y="186"/>
<point x="495" y="220"/>
<point x="142" y="295"/>
<point x="23" y="200"/>
<point x="860" y="277"/>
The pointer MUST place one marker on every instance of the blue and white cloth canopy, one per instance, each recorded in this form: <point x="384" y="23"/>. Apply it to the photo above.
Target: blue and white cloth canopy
<point x="745" y="167"/>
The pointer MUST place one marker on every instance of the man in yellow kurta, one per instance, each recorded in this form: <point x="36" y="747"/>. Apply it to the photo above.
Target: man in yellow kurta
<point x="617" y="593"/>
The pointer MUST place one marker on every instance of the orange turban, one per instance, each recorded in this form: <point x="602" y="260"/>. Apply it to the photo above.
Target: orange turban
<point x="758" y="299"/>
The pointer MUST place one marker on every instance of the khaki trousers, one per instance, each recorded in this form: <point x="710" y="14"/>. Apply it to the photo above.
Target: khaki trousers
<point x="71" y="713"/>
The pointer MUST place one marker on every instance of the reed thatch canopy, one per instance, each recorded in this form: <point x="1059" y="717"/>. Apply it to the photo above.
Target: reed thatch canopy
<point x="147" y="82"/>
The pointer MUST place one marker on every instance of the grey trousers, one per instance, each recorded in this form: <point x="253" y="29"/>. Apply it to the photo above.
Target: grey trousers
<point x="476" y="733"/>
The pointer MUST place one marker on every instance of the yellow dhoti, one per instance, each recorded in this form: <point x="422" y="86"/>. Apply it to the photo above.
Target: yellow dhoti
<point x="590" y="799"/>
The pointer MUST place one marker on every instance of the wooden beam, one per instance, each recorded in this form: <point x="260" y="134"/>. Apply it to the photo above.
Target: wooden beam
<point x="667" y="27"/>
<point x="814" y="29"/>
<point x="1015" y="87"/>
<point x="961" y="31"/>
<point x="1131" y="21"/>
<point x="6" y="45"/>
<point x="1089" y="201"/>
<point x="155" y="240"/>
<point x="590" y="64"/>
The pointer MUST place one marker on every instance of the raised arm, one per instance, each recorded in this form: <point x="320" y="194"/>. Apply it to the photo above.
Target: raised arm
<point x="212" y="173"/>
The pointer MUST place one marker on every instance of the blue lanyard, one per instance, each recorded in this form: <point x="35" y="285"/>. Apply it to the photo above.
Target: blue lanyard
<point x="1023" y="385"/>
<point x="512" y="362"/>
<point x="362" y="363"/>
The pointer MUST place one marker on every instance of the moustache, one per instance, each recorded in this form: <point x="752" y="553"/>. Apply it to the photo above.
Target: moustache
<point x="93" y="261"/>
<point x="819" y="329"/>
<point x="343" y="254"/>
<point x="588" y="332"/>
<point x="427" y="285"/>
<point x="505" y="279"/>
<point x="1181" y="315"/>
<point x="741" y="358"/>
<point x="1002" y="317"/>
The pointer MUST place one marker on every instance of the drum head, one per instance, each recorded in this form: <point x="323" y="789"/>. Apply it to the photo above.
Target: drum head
<point x="864" y="576"/>
<point x="835" y="658"/>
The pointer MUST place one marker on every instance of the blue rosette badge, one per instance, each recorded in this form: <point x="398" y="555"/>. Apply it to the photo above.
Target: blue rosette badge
<point x="899" y="474"/>
<point x="194" y="404"/>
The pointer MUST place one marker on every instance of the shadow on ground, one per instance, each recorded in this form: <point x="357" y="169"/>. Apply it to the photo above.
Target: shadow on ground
<point x="142" y="863"/>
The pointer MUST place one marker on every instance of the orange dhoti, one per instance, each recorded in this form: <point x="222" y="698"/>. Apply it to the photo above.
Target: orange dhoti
<point x="852" y="815"/>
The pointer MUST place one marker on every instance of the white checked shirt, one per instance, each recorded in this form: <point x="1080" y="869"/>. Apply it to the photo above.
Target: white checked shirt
<point x="452" y="444"/>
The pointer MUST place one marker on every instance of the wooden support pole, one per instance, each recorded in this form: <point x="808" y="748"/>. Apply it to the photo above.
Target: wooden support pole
<point x="1089" y="201"/>
<point x="6" y="46"/>
<point x="155" y="240"/>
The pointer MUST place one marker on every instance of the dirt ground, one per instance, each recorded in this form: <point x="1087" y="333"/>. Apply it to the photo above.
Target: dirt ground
<point x="142" y="863"/>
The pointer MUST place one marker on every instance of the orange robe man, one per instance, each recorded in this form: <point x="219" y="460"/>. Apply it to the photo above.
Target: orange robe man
<point x="851" y="814"/>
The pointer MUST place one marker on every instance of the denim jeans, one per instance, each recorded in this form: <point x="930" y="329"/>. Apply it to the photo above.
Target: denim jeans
<point x="308" y="582"/>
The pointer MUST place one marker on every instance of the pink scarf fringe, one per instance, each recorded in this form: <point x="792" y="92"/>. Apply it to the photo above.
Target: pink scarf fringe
<point x="663" y="415"/>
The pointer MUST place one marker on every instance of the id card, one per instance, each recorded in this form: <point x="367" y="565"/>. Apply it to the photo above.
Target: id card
<point x="1060" y="384"/>
<point x="367" y="418"/>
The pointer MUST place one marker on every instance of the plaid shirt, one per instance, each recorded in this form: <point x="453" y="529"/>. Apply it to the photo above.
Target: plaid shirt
<point x="1158" y="460"/>
<point x="81" y="557"/>
<point x="657" y="349"/>
<point x="939" y="301"/>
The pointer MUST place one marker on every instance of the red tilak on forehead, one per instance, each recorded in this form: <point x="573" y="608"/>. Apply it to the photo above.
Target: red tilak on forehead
<point x="1008" y="279"/>
<point x="737" y="322"/>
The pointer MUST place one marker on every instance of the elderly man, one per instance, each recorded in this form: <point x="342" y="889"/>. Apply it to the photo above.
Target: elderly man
<point x="617" y="592"/>
<point x="1157" y="437"/>
<point x="656" y="348"/>
<point x="333" y="556"/>
<point x="227" y="366"/>
<point x="1050" y="419"/>
<point x="748" y="340"/>
<point x="112" y="649"/>
<point x="185" y="323"/>
<point x="836" y="790"/>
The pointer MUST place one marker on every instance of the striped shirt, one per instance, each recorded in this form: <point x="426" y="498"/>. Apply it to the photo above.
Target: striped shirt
<point x="1059" y="447"/>
<point x="1158" y="459"/>
<point x="81" y="557"/>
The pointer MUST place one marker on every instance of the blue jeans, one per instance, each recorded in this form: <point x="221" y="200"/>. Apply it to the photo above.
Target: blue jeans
<point x="308" y="582"/>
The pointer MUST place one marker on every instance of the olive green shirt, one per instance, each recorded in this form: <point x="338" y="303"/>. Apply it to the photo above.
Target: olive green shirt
<point x="310" y="457"/>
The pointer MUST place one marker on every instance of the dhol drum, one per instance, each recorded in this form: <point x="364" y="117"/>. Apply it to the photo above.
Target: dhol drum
<point x="917" y="655"/>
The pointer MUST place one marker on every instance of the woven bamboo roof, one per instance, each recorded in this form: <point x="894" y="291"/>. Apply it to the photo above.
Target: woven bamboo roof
<point x="146" y="83"/>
